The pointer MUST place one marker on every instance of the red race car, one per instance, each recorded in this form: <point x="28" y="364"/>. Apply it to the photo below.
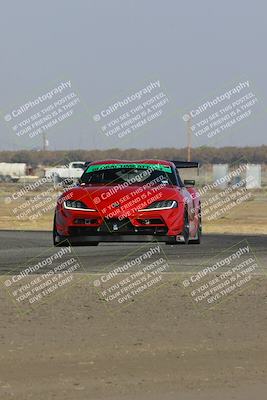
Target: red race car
<point x="129" y="201"/>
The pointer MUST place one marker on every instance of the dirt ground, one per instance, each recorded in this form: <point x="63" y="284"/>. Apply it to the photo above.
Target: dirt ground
<point x="161" y="346"/>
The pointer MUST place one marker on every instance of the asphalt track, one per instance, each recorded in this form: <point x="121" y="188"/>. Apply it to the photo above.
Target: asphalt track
<point x="17" y="248"/>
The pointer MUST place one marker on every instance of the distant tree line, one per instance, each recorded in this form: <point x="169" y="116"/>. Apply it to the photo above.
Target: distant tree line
<point x="204" y="155"/>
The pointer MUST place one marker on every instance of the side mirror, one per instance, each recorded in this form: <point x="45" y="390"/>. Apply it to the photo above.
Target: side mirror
<point x="189" y="182"/>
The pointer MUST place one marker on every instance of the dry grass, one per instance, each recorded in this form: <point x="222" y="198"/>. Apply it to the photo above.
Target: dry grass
<point x="248" y="217"/>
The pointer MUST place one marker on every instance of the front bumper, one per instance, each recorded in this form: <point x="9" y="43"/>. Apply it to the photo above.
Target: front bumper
<point x="165" y="223"/>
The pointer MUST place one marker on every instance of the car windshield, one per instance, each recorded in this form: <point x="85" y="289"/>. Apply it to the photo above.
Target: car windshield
<point x="133" y="174"/>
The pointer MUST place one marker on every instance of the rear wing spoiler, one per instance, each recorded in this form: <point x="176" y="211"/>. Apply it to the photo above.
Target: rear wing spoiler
<point x="178" y="164"/>
<point x="186" y="164"/>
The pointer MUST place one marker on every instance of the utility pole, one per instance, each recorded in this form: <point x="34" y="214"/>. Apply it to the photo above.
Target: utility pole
<point x="45" y="141"/>
<point x="189" y="139"/>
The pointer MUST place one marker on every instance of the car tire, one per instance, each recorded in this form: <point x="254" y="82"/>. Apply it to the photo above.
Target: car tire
<point x="58" y="243"/>
<point x="186" y="230"/>
<point x="83" y="244"/>
<point x="185" y="233"/>
<point x="65" y="242"/>
<point x="197" y="240"/>
<point x="171" y="242"/>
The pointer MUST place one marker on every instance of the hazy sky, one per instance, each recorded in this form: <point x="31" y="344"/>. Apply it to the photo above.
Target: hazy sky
<point x="111" y="49"/>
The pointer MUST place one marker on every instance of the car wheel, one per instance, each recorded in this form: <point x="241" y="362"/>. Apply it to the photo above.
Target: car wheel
<point x="65" y="242"/>
<point x="8" y="179"/>
<point x="197" y="240"/>
<point x="171" y="242"/>
<point x="186" y="231"/>
<point x="56" y="241"/>
<point x="185" y="234"/>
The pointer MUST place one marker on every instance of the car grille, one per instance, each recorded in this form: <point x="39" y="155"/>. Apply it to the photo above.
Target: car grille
<point x="118" y="227"/>
<point x="115" y="225"/>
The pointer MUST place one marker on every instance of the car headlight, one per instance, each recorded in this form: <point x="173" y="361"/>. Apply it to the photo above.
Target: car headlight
<point x="76" y="205"/>
<point x="161" y="205"/>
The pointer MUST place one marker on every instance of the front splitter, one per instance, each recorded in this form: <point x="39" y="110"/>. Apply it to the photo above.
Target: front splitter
<point x="83" y="239"/>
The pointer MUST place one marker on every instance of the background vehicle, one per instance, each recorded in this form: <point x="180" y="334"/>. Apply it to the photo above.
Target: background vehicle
<point x="129" y="201"/>
<point x="71" y="172"/>
<point x="12" y="172"/>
